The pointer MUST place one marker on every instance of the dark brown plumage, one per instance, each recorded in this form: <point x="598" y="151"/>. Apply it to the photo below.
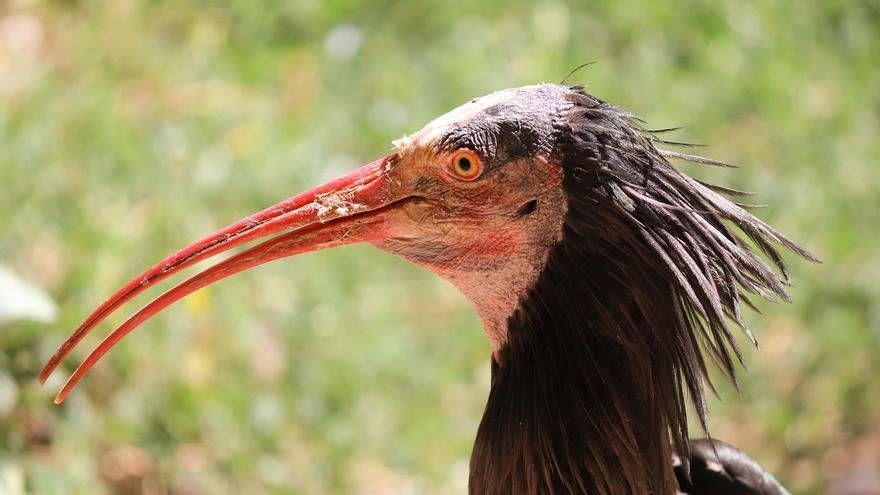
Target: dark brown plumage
<point x="606" y="347"/>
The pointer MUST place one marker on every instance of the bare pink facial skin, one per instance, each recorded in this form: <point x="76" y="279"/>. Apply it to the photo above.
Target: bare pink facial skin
<point x="475" y="237"/>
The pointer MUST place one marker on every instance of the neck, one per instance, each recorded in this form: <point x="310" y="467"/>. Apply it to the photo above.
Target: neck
<point x="582" y="398"/>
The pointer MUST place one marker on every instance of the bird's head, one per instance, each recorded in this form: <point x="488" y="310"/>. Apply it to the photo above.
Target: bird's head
<point x="481" y="196"/>
<point x="485" y="197"/>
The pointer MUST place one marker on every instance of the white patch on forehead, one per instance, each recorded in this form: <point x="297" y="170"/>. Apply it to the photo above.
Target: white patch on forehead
<point x="519" y="102"/>
<point x="470" y="110"/>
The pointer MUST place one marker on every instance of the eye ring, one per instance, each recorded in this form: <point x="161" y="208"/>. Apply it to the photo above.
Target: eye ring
<point x="465" y="165"/>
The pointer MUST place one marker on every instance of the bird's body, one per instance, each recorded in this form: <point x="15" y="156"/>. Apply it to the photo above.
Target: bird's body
<point x="600" y="272"/>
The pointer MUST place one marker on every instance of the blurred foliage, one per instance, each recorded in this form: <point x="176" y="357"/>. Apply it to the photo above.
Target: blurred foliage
<point x="131" y="128"/>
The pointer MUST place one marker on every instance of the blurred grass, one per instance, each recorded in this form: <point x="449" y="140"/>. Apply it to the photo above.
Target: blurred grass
<point x="130" y="128"/>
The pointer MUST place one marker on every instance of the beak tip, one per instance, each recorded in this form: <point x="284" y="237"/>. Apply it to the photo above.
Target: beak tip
<point x="44" y="375"/>
<point x="46" y="372"/>
<point x="64" y="392"/>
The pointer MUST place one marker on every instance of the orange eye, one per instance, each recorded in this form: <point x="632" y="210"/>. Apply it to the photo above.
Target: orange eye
<point x="466" y="165"/>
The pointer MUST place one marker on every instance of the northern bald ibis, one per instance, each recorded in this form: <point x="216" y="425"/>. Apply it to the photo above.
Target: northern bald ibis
<point x="604" y="277"/>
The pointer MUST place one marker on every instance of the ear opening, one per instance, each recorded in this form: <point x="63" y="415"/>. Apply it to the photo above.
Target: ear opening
<point x="527" y="208"/>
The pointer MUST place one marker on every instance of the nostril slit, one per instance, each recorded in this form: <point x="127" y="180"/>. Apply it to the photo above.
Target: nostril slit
<point x="527" y="208"/>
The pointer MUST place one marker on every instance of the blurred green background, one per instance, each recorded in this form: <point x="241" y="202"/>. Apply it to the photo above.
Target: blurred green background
<point x="131" y="128"/>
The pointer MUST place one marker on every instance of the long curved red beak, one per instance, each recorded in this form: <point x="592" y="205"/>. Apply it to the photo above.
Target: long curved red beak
<point x="346" y="210"/>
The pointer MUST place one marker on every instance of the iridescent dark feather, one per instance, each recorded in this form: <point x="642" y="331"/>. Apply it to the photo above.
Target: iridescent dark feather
<point x="716" y="468"/>
<point x="607" y="348"/>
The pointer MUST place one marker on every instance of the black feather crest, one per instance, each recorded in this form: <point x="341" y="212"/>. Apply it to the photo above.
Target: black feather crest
<point x="590" y="393"/>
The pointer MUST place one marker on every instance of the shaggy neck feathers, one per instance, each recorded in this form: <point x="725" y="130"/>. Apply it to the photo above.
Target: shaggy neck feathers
<point x="590" y="392"/>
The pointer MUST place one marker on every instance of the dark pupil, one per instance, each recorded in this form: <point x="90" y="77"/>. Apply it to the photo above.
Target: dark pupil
<point x="464" y="164"/>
